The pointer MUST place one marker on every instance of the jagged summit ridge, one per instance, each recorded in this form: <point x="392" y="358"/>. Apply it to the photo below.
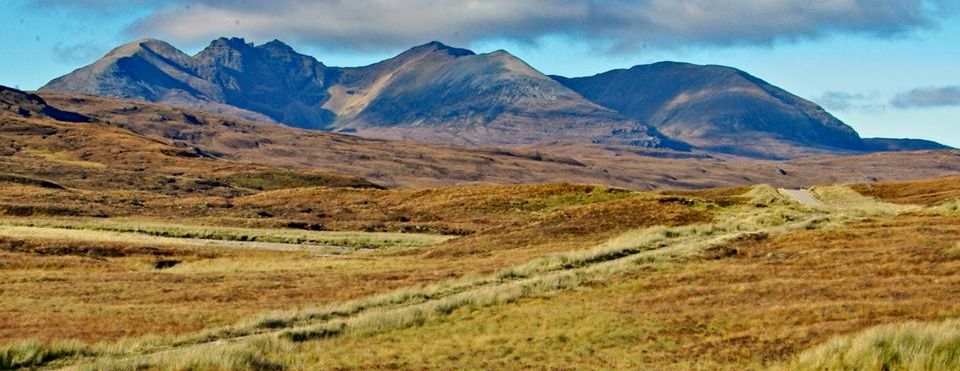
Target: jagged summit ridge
<point x="429" y="92"/>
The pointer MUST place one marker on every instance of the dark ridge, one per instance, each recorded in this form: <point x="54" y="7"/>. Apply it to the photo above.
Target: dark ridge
<point x="30" y="105"/>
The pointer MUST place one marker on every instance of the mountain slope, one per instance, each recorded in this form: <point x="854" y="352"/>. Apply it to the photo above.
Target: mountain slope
<point x="431" y="92"/>
<point x="271" y="79"/>
<point x="435" y="92"/>
<point x="718" y="108"/>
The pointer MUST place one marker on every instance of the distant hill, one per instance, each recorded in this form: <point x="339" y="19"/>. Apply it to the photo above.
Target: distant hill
<point x="895" y="144"/>
<point x="434" y="92"/>
<point x="717" y="108"/>
<point x="727" y="110"/>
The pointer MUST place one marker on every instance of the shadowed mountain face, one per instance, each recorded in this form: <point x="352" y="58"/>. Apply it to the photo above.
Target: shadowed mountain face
<point x="271" y="79"/>
<point x="718" y="108"/>
<point x="434" y="92"/>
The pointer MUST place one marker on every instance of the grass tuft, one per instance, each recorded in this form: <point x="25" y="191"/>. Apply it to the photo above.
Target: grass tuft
<point x="905" y="346"/>
<point x="35" y="354"/>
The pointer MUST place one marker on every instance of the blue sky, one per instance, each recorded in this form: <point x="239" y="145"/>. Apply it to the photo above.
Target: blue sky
<point x="889" y="70"/>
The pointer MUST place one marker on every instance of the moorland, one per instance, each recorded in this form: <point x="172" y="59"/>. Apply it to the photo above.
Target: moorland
<point x="137" y="235"/>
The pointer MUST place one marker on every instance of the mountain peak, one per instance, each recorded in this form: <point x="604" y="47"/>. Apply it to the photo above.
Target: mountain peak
<point x="501" y="54"/>
<point x="231" y="43"/>
<point x="277" y="45"/>
<point x="436" y="46"/>
<point x="134" y="47"/>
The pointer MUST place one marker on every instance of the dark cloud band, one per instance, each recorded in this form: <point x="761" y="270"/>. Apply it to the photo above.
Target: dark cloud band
<point x="620" y="25"/>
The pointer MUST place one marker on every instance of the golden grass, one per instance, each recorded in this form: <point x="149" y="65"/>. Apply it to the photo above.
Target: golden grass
<point x="923" y="192"/>
<point x="544" y="276"/>
<point x="106" y="230"/>
<point x="757" y="308"/>
<point x="690" y="276"/>
<point x="899" y="347"/>
<point x="211" y="291"/>
<point x="556" y="272"/>
<point x="772" y="297"/>
<point x="845" y="199"/>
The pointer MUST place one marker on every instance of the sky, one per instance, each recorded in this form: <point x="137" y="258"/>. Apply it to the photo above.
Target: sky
<point x="889" y="68"/>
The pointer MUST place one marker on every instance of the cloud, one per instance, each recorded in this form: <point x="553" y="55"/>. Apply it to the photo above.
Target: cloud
<point x="620" y="25"/>
<point x="840" y="101"/>
<point x="79" y="53"/>
<point x="928" y="97"/>
<point x="100" y="8"/>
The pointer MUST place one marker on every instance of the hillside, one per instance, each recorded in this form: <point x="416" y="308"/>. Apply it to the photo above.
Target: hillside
<point x="412" y="164"/>
<point x="719" y="279"/>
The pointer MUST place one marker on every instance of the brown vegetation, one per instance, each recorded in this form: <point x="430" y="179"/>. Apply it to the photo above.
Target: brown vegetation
<point x="408" y="164"/>
<point x="510" y="225"/>
<point x="924" y="192"/>
<point x="772" y="299"/>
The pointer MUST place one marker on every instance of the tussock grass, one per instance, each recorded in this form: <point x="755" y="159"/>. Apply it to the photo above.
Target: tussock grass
<point x="34" y="354"/>
<point x="284" y="179"/>
<point x="846" y="199"/>
<point x="950" y="207"/>
<point x="766" y="195"/>
<point x="906" y="346"/>
<point x="255" y="355"/>
<point x="359" y="240"/>
<point x="924" y="192"/>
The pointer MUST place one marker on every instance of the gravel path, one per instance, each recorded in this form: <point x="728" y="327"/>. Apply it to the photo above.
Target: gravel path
<point x="802" y="196"/>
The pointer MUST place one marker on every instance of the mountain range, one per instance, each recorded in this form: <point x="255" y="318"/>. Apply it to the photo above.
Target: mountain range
<point x="434" y="92"/>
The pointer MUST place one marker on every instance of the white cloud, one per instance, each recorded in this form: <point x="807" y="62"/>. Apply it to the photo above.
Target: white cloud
<point x="839" y="101"/>
<point x="928" y="97"/>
